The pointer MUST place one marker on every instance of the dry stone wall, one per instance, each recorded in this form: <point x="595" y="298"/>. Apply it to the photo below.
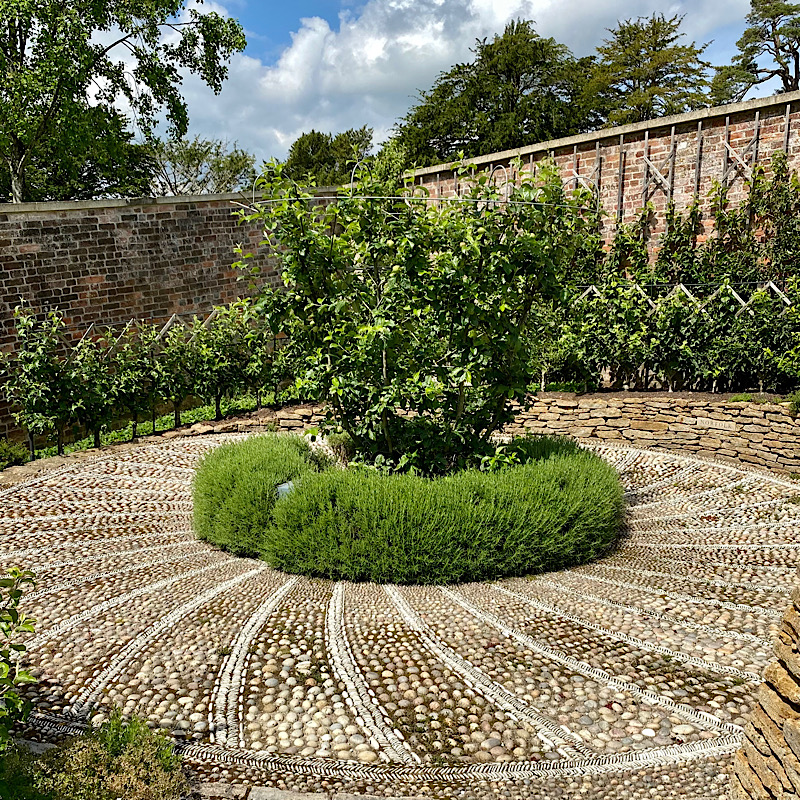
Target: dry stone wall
<point x="761" y="434"/>
<point x="768" y="765"/>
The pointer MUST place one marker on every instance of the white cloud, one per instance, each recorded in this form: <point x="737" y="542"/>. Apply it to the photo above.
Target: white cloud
<point x="370" y="68"/>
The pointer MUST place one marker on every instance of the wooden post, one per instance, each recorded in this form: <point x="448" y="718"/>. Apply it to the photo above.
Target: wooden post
<point x="787" y="121"/>
<point x="671" y="164"/>
<point x="725" y="152"/>
<point x="621" y="178"/>
<point x="698" y="159"/>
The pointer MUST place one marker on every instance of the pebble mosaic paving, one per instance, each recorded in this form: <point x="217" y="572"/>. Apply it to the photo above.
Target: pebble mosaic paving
<point x="627" y="678"/>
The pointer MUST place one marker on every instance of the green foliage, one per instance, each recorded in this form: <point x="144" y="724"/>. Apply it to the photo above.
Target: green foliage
<point x="794" y="403"/>
<point x="51" y="61"/>
<point x="93" y="405"/>
<point x="13" y="623"/>
<point x="521" y="88"/>
<point x="769" y="48"/>
<point x="95" y="156"/>
<point x="105" y="376"/>
<point x="557" y="510"/>
<point x="325" y="158"/>
<point x="38" y="380"/>
<point x="199" y="166"/>
<point x="118" y="759"/>
<point x="643" y="73"/>
<point x="235" y="489"/>
<point x="220" y="356"/>
<point x="11" y="454"/>
<point x="410" y="318"/>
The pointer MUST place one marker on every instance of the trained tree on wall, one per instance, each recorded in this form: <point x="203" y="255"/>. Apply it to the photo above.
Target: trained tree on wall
<point x="768" y="49"/>
<point x="643" y="72"/>
<point x="59" y="58"/>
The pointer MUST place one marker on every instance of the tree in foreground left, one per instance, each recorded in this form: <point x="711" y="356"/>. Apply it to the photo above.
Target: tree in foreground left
<point x="58" y="59"/>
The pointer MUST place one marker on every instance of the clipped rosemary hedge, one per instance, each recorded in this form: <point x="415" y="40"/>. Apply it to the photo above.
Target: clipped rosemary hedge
<point x="235" y="489"/>
<point x="562" y="506"/>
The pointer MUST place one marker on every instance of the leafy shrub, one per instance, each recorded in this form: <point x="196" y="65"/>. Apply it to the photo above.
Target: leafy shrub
<point x="235" y="488"/>
<point x="794" y="403"/>
<point x="119" y="759"/>
<point x="12" y="453"/>
<point x="13" y="707"/>
<point x="556" y="506"/>
<point x="409" y="318"/>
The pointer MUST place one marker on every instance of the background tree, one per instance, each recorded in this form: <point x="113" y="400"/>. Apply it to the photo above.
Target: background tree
<point x="200" y="166"/>
<point x="94" y="157"/>
<point x="769" y="48"/>
<point x="642" y="72"/>
<point x="53" y="53"/>
<point x="326" y="157"/>
<point x="520" y="89"/>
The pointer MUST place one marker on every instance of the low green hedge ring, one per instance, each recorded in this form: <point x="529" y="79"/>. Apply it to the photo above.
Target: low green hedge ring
<point x="561" y="508"/>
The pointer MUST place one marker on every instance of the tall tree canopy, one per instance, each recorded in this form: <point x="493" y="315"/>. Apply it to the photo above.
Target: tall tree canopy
<point x="94" y="157"/>
<point x="769" y="48"/>
<point x="200" y="166"/>
<point x="327" y="158"/>
<point x="58" y="57"/>
<point x="521" y="88"/>
<point x="642" y="72"/>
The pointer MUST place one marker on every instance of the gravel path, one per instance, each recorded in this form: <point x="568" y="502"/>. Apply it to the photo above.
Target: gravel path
<point x="628" y="678"/>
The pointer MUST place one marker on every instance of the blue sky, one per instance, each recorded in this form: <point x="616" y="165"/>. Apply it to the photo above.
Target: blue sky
<point x="333" y="65"/>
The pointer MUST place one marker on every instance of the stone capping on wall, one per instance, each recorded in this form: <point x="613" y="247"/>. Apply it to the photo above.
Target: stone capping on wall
<point x="713" y="112"/>
<point x="233" y="198"/>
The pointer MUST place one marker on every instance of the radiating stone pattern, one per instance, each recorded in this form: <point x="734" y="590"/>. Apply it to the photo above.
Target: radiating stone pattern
<point x="626" y="678"/>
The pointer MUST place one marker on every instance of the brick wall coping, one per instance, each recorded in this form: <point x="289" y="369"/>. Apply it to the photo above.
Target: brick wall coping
<point x="713" y="112"/>
<point x="139" y="202"/>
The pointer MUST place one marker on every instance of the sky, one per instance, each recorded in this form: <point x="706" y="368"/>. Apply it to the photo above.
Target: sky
<point x="331" y="65"/>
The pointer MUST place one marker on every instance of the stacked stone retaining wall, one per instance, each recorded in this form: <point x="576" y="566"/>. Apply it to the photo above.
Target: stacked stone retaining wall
<point x="768" y="765"/>
<point x="762" y="434"/>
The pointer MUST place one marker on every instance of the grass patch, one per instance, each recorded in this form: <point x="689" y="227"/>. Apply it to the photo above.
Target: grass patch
<point x="559" y="507"/>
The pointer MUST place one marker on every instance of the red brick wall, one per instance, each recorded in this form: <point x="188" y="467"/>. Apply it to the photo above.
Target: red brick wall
<point x="108" y="261"/>
<point x="773" y="122"/>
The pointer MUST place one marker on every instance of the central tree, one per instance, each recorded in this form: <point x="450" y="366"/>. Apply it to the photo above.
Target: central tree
<point x="58" y="58"/>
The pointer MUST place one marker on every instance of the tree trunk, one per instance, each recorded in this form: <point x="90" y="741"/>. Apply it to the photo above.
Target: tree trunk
<point x="32" y="445"/>
<point x="177" y="412"/>
<point x="60" y="442"/>
<point x="96" y="433"/>
<point x="16" y="169"/>
<point x="135" y="426"/>
<point x="218" y="407"/>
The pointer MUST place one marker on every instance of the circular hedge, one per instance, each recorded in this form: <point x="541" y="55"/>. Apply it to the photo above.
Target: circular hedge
<point x="562" y="506"/>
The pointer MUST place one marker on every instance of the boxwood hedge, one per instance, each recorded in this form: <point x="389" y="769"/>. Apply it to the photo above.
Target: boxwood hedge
<point x="562" y="506"/>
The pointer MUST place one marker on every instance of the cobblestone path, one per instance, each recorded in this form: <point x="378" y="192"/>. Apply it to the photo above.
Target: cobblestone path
<point x="627" y="678"/>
